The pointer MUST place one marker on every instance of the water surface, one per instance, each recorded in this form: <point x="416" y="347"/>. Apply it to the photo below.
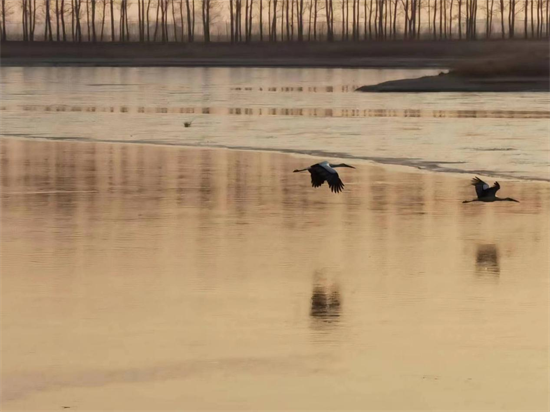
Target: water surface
<point x="140" y="277"/>
<point x="312" y="111"/>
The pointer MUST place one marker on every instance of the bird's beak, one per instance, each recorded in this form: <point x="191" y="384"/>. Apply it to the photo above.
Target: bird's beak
<point x="350" y="166"/>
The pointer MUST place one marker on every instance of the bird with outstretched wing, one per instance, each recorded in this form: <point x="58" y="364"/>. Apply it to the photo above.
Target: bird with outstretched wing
<point x="483" y="189"/>
<point x="486" y="193"/>
<point x="324" y="172"/>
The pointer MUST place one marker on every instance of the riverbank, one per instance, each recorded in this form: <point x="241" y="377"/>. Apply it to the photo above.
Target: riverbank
<point x="294" y="110"/>
<point x="523" y="71"/>
<point x="352" y="55"/>
<point x="162" y="278"/>
<point x="448" y="83"/>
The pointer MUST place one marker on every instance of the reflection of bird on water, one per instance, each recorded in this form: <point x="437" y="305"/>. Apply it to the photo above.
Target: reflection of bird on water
<point x="486" y="193"/>
<point x="325" y="302"/>
<point x="324" y="171"/>
<point x="487" y="259"/>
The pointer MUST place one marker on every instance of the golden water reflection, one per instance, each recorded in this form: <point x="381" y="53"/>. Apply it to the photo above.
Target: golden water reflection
<point x="160" y="278"/>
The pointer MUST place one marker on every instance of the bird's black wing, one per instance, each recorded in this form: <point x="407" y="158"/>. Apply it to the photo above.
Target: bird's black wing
<point x="492" y="191"/>
<point x="481" y="187"/>
<point x="321" y="174"/>
<point x="317" y="176"/>
<point x="335" y="184"/>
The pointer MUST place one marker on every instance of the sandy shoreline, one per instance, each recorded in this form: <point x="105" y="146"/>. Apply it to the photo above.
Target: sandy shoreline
<point x="402" y="165"/>
<point x="519" y="72"/>
<point x="394" y="164"/>
<point x="307" y="157"/>
<point x="162" y="278"/>
<point x="448" y="83"/>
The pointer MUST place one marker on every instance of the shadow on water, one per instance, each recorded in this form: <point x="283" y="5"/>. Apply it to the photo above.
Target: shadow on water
<point x="487" y="262"/>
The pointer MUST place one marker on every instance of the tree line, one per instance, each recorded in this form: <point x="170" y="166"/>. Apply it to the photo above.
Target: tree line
<point x="271" y="20"/>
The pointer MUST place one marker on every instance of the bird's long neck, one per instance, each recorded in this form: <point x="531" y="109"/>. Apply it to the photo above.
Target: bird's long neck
<point x="342" y="165"/>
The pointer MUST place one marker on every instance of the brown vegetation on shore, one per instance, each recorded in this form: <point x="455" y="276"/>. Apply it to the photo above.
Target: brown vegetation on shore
<point x="523" y="64"/>
<point x="520" y="72"/>
<point x="350" y="54"/>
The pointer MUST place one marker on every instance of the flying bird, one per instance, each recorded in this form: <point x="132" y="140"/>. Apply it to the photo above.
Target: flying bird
<point x="324" y="171"/>
<point x="486" y="193"/>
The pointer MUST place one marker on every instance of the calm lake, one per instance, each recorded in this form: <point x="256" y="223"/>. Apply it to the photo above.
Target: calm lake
<point x="314" y="111"/>
<point x="159" y="277"/>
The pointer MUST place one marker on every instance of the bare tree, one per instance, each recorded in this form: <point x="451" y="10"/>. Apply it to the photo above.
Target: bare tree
<point x="4" y="35"/>
<point x="300" y="19"/>
<point x="250" y="10"/>
<point x="174" y="22"/>
<point x="451" y="3"/>
<point x="371" y="8"/>
<point x="315" y="15"/>
<point x="25" y="19"/>
<point x="532" y="19"/>
<point x="94" y="38"/>
<point x="393" y="19"/>
<point x="419" y="25"/>
<point x="57" y="34"/>
<point x="511" y="18"/>
<point x="232" y="21"/>
<point x="502" y="31"/>
<point x="261" y="21"/>
<point x="63" y="28"/>
<point x="103" y="13"/>
<point x="112" y="12"/>
<point x="406" y="18"/>
<point x="206" y="8"/>
<point x="287" y="16"/>
<point x="190" y="20"/>
<point x="343" y="31"/>
<point x="140" y="27"/>
<point x="459" y="14"/>
<point x="238" y="20"/>
<point x="489" y="18"/>
<point x="76" y="27"/>
<point x="471" y="19"/>
<point x="435" y="11"/>
<point x="274" y="22"/>
<point x="5" y="10"/>
<point x="526" y="21"/>
<point x="287" y="20"/>
<point x="329" y="14"/>
<point x="48" y="35"/>
<point x="182" y="21"/>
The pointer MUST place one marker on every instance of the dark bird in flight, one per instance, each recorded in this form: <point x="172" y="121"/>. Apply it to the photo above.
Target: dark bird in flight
<point x="324" y="171"/>
<point x="486" y="193"/>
